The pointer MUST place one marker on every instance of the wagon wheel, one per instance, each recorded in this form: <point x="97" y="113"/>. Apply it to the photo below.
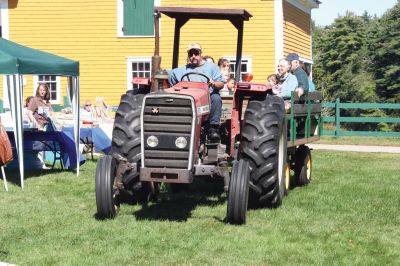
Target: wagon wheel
<point x="238" y="193"/>
<point x="303" y="165"/>
<point x="287" y="178"/>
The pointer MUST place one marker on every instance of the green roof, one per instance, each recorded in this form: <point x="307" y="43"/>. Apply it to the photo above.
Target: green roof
<point x="18" y="59"/>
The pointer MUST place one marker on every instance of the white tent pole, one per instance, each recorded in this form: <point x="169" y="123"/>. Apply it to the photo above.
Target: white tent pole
<point x="20" y="124"/>
<point x="77" y="124"/>
<point x="16" y="112"/>
<point x="8" y="87"/>
<point x="74" y="94"/>
<point x="4" y="178"/>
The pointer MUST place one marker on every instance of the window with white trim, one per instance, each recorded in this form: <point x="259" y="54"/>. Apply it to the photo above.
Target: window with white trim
<point x="54" y="84"/>
<point x="138" y="67"/>
<point x="245" y="67"/>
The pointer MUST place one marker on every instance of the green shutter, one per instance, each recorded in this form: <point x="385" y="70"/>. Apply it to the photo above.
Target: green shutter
<point x="138" y="17"/>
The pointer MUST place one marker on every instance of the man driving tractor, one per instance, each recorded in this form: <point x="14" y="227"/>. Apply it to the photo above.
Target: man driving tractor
<point x="211" y="75"/>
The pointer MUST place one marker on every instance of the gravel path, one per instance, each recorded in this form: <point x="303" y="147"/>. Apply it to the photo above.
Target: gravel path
<point x="359" y="148"/>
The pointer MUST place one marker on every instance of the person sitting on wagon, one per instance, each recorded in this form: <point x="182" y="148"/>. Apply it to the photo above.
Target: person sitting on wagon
<point x="287" y="80"/>
<point x="274" y="82"/>
<point x="301" y="75"/>
<point x="197" y="64"/>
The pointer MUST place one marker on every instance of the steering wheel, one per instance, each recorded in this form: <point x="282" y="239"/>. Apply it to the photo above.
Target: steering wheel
<point x="195" y="73"/>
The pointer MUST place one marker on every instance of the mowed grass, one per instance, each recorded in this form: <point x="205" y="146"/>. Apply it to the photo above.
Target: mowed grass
<point x="350" y="140"/>
<point x="348" y="215"/>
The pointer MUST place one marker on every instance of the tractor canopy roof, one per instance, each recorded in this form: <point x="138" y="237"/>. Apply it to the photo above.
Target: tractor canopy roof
<point x="205" y="13"/>
<point x="182" y="15"/>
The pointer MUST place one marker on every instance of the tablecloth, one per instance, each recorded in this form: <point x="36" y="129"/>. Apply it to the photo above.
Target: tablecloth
<point x="36" y="140"/>
<point x="98" y="135"/>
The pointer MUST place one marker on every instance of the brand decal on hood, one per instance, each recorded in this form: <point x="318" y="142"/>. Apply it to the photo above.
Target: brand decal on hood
<point x="203" y="109"/>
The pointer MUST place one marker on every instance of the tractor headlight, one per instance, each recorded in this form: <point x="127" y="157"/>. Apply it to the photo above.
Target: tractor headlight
<point x="181" y="142"/>
<point x="152" y="141"/>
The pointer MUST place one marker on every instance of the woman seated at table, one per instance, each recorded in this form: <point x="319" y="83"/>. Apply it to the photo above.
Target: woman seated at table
<point x="39" y="108"/>
<point x="88" y="113"/>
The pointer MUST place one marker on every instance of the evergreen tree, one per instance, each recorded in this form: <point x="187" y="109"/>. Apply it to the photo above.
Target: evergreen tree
<point x="342" y="61"/>
<point x="387" y="56"/>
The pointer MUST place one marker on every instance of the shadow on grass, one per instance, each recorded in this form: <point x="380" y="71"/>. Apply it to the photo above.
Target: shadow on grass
<point x="13" y="175"/>
<point x="179" y="206"/>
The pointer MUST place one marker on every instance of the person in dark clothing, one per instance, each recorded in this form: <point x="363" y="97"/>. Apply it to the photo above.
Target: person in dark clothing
<point x="300" y="74"/>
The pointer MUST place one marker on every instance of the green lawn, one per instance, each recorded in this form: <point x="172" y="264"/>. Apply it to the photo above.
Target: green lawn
<point x="348" y="215"/>
<point x="380" y="141"/>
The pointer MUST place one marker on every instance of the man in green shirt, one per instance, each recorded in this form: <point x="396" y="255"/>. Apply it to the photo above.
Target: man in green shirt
<point x="300" y="74"/>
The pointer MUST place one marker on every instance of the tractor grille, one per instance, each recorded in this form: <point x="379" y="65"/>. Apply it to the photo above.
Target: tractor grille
<point x="167" y="118"/>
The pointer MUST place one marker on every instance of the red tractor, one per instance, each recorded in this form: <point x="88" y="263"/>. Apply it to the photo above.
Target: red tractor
<point x="161" y="136"/>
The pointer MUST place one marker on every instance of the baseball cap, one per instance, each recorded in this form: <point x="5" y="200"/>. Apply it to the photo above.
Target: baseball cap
<point x="292" y="56"/>
<point x="194" y="45"/>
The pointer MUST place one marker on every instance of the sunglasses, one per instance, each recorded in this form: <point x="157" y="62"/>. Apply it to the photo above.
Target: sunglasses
<point x="88" y="105"/>
<point x="193" y="52"/>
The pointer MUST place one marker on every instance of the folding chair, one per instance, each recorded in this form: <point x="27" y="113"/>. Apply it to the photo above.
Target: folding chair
<point x="88" y="146"/>
<point x="58" y="156"/>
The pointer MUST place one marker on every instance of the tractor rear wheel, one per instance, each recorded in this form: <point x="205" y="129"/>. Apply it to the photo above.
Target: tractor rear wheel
<point x="126" y="145"/>
<point x="264" y="146"/>
<point x="303" y="165"/>
<point x="238" y="193"/>
<point x="107" y="200"/>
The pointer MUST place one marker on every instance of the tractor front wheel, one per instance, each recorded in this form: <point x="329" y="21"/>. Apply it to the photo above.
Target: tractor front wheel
<point x="126" y="144"/>
<point x="238" y="193"/>
<point x="106" y="192"/>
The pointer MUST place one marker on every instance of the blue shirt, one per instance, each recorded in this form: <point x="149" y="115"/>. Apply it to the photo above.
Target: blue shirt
<point x="289" y="84"/>
<point x="311" y="86"/>
<point x="210" y="69"/>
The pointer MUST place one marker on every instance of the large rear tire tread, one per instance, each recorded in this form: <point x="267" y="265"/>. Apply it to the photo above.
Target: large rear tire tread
<point x="106" y="197"/>
<point x="264" y="146"/>
<point x="126" y="133"/>
<point x="126" y="144"/>
<point x="238" y="193"/>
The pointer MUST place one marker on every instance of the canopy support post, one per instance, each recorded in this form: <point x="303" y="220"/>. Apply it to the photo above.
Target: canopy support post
<point x="73" y="84"/>
<point x="16" y="112"/>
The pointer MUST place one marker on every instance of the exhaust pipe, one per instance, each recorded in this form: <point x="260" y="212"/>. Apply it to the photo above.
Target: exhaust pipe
<point x="156" y="58"/>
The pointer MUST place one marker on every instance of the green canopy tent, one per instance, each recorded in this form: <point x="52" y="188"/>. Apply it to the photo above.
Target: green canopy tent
<point x="17" y="60"/>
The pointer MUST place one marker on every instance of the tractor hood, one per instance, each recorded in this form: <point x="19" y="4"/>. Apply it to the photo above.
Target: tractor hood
<point x="198" y="90"/>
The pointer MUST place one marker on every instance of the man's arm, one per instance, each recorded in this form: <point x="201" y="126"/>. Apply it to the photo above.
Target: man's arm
<point x="217" y="81"/>
<point x="303" y="82"/>
<point x="171" y="77"/>
<point x="216" y="84"/>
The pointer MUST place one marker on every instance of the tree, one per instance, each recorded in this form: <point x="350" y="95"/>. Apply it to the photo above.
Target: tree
<point x="387" y="56"/>
<point x="357" y="59"/>
<point x="342" y="61"/>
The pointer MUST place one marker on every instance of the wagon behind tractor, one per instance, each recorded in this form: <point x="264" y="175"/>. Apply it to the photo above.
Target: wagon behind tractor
<point x="160" y="137"/>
